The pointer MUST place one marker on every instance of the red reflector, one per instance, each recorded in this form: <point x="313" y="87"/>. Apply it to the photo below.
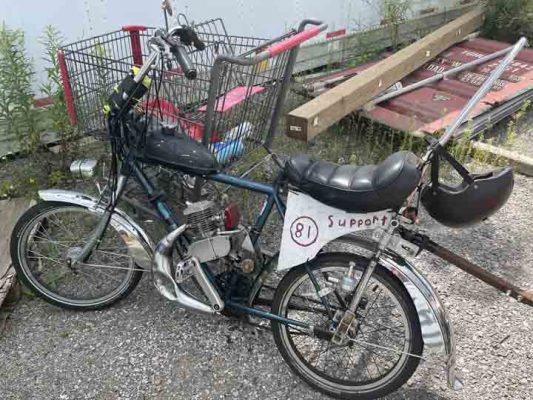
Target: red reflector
<point x="232" y="216"/>
<point x="333" y="34"/>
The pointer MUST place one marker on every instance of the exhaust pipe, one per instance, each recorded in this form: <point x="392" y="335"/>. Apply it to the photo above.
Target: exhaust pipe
<point x="167" y="286"/>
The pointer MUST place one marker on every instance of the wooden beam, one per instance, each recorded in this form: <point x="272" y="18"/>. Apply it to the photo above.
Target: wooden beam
<point x="10" y="211"/>
<point x="314" y="117"/>
<point x="519" y="162"/>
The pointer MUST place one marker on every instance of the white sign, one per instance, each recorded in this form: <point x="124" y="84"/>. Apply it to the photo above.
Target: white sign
<point x="309" y="225"/>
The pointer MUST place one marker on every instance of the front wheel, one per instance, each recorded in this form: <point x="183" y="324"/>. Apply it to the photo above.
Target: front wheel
<point x="45" y="240"/>
<point x="382" y="351"/>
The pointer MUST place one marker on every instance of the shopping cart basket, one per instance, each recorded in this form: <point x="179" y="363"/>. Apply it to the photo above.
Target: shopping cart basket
<point x="232" y="106"/>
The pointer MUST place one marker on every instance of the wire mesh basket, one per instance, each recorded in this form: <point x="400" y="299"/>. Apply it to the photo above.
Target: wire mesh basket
<point x="232" y="107"/>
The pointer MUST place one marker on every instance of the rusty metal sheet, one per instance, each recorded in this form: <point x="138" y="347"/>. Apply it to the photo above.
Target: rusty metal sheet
<point x="432" y="108"/>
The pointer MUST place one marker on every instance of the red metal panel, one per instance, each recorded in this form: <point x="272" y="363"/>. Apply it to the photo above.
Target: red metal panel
<point x="432" y="108"/>
<point x="340" y="32"/>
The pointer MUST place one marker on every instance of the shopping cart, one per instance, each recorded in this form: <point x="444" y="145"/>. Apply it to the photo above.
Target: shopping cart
<point x="233" y="104"/>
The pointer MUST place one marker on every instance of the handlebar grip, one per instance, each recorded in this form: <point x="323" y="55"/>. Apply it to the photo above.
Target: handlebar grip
<point x="184" y="61"/>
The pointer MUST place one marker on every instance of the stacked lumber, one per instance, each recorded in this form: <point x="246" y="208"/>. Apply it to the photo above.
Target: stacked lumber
<point x="317" y="115"/>
<point x="10" y="211"/>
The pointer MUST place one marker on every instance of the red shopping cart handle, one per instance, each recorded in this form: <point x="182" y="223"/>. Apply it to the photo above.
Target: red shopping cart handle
<point x="295" y="40"/>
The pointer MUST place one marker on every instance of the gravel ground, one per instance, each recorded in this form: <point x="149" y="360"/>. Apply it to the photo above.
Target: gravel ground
<point x="147" y="348"/>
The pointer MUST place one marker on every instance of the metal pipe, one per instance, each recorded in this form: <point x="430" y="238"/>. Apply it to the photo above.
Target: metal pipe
<point x="98" y="233"/>
<point x="522" y="295"/>
<point x="285" y="83"/>
<point x="265" y="314"/>
<point x="483" y="90"/>
<point x="166" y="285"/>
<point x="441" y="76"/>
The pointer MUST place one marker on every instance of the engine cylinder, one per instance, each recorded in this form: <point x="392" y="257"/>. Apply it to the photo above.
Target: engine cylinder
<point x="204" y="218"/>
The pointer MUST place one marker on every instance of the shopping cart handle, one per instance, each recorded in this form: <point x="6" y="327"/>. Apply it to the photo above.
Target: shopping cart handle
<point x="295" y="40"/>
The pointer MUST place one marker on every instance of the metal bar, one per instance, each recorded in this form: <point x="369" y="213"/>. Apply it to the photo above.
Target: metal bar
<point x="267" y="315"/>
<point x="262" y="219"/>
<point x="242" y="183"/>
<point x="496" y="282"/>
<point x="483" y="90"/>
<point x="69" y="99"/>
<point x="285" y="83"/>
<point x="214" y="84"/>
<point x="438" y="77"/>
<point x="162" y="208"/>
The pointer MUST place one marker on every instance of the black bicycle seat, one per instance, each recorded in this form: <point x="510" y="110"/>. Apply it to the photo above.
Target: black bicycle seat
<point x="356" y="188"/>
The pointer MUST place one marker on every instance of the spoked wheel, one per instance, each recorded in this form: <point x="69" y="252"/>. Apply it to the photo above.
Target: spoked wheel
<point x="380" y="353"/>
<point x="49" y="235"/>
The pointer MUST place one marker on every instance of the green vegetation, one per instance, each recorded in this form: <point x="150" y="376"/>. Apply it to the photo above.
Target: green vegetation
<point x="34" y="166"/>
<point x="393" y="14"/>
<point x="53" y="89"/>
<point x="508" y="20"/>
<point x="16" y="95"/>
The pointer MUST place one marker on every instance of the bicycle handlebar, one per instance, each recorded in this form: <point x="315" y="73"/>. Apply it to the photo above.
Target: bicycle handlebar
<point x="188" y="36"/>
<point x="182" y="57"/>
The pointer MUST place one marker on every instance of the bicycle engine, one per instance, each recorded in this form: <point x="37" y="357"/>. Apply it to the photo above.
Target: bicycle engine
<point x="218" y="238"/>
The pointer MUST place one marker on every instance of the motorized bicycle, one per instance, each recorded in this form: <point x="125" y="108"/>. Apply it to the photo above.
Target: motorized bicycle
<point x="352" y="325"/>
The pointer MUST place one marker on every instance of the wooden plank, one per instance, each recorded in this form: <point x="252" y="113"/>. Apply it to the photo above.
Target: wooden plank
<point x="10" y="211"/>
<point x="520" y="163"/>
<point x="314" y="117"/>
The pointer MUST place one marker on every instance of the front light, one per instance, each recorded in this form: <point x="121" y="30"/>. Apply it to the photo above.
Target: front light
<point x="83" y="169"/>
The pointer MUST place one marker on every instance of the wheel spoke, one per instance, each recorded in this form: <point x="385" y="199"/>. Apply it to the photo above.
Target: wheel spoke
<point x="378" y="343"/>
<point x="60" y="233"/>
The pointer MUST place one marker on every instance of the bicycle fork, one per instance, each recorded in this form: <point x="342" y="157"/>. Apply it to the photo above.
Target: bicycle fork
<point x="98" y="233"/>
<point x="349" y="320"/>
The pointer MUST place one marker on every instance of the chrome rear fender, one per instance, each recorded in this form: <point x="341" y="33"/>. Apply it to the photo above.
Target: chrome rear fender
<point x="140" y="246"/>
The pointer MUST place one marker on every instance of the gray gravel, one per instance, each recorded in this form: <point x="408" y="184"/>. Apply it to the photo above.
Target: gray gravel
<point x="146" y="348"/>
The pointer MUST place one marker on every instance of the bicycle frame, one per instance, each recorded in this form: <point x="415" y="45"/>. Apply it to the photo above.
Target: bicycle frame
<point x="273" y="200"/>
<point x="271" y="192"/>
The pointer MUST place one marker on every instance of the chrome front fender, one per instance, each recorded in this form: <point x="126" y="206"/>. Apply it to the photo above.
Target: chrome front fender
<point x="140" y="246"/>
<point x="437" y="332"/>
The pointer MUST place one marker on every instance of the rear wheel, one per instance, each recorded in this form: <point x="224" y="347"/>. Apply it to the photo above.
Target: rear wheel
<point x="381" y="353"/>
<point x="49" y="235"/>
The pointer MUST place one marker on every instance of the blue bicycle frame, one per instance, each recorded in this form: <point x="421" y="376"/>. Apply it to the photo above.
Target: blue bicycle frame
<point x="271" y="191"/>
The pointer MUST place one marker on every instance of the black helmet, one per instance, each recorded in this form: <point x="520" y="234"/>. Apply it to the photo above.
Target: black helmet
<point x="473" y="200"/>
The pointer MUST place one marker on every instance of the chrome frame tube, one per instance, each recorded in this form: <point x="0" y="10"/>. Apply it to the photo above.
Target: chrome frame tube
<point x="482" y="91"/>
<point x="367" y="274"/>
<point x="152" y="59"/>
<point x="439" y="77"/>
<point x="99" y="231"/>
<point x="166" y="285"/>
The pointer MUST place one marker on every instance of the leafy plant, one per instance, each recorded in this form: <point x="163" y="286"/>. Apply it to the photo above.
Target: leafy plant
<point x="16" y="94"/>
<point x="508" y="20"/>
<point x="393" y="14"/>
<point x="514" y="122"/>
<point x="53" y="88"/>
<point x="56" y="178"/>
